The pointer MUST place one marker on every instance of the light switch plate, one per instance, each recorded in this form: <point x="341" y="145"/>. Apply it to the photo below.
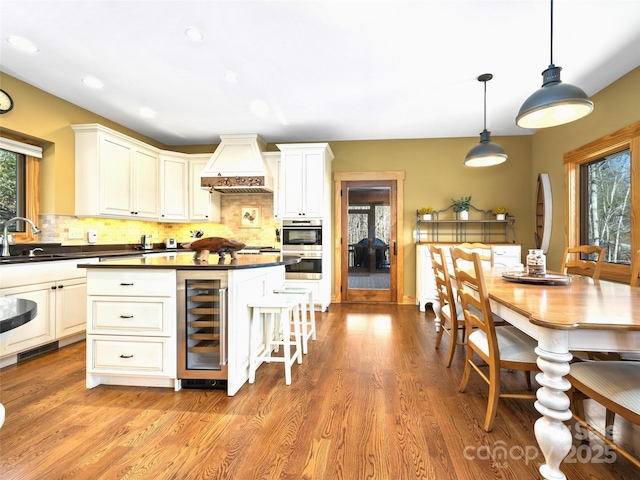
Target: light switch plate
<point x="75" y="233"/>
<point x="92" y="236"/>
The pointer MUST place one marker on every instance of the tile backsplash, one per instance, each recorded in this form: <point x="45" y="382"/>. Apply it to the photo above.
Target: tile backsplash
<point x="246" y="218"/>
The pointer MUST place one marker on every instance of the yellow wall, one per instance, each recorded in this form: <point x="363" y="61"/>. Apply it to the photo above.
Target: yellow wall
<point x="616" y="106"/>
<point x="435" y="174"/>
<point x="434" y="170"/>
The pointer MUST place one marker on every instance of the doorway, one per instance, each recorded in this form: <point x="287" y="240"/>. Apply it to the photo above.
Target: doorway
<point x="369" y="250"/>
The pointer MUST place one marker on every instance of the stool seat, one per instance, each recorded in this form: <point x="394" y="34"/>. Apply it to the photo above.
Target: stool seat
<point x="308" y="325"/>
<point x="271" y="320"/>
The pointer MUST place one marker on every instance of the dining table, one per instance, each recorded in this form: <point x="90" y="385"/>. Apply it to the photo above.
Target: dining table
<point x="580" y="314"/>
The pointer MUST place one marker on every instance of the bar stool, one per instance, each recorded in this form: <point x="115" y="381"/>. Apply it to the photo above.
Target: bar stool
<point x="308" y="324"/>
<point x="278" y="313"/>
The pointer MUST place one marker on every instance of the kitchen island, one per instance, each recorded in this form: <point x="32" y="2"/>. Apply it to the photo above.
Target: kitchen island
<point x="137" y="309"/>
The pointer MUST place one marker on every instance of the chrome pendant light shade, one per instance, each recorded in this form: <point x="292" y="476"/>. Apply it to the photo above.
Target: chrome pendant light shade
<point x="486" y="153"/>
<point x="555" y="103"/>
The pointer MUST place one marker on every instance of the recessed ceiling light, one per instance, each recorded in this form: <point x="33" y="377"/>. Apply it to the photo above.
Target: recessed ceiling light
<point x="23" y="44"/>
<point x="231" y="77"/>
<point x="194" y="34"/>
<point x="259" y="108"/>
<point x="93" y="82"/>
<point x="147" y="112"/>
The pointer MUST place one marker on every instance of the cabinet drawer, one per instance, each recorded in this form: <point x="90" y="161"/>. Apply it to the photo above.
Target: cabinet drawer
<point x="147" y="356"/>
<point x="506" y="255"/>
<point x="127" y="316"/>
<point x="122" y="282"/>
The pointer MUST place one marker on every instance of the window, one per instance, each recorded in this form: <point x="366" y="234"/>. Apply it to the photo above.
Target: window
<point x="602" y="181"/>
<point x="19" y="186"/>
<point x="605" y="207"/>
<point x="12" y="187"/>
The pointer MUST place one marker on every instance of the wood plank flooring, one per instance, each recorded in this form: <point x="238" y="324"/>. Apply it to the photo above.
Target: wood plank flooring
<point x="371" y="400"/>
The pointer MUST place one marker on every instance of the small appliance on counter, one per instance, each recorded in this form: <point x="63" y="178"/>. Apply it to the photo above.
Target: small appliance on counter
<point x="170" y="243"/>
<point x="145" y="242"/>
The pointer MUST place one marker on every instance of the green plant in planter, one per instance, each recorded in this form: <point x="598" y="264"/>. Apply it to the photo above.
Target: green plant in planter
<point x="500" y="210"/>
<point x="425" y="210"/>
<point x="462" y="204"/>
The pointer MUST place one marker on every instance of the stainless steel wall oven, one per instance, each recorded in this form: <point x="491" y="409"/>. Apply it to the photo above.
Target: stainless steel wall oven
<point x="309" y="268"/>
<point x="202" y="329"/>
<point x="302" y="235"/>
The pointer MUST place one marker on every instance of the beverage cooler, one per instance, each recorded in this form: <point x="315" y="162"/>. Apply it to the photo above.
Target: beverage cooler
<point x="202" y="329"/>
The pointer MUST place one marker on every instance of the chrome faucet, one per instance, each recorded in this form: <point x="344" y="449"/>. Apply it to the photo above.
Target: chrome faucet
<point x="32" y="252"/>
<point x="5" y="237"/>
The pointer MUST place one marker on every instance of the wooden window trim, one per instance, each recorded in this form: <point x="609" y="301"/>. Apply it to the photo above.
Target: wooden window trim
<point x="32" y="200"/>
<point x="625" y="138"/>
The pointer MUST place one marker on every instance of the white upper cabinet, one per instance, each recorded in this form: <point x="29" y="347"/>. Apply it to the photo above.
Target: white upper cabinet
<point x="305" y="186"/>
<point x="204" y="205"/>
<point x="120" y="177"/>
<point x="115" y="176"/>
<point x="273" y="160"/>
<point x="174" y="178"/>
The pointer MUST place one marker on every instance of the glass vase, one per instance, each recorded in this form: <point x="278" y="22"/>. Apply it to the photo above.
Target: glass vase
<point x="536" y="263"/>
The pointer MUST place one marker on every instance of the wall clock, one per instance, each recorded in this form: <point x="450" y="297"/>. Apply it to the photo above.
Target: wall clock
<point x="6" y="102"/>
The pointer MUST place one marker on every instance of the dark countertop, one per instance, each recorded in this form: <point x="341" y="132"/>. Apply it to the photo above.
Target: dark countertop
<point x="55" y="252"/>
<point x="185" y="261"/>
<point x="15" y="312"/>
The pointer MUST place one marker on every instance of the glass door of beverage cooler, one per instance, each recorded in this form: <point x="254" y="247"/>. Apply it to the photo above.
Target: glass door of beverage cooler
<point x="202" y="333"/>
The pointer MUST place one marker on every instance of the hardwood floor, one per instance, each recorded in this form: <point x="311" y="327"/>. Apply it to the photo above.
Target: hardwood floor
<point x="371" y="400"/>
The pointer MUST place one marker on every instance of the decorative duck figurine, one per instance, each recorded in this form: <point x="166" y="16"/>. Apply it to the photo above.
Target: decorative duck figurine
<point x="218" y="245"/>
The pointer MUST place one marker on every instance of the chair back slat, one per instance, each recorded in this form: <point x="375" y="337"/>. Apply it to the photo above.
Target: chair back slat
<point x="485" y="251"/>
<point x="572" y="259"/>
<point x="444" y="288"/>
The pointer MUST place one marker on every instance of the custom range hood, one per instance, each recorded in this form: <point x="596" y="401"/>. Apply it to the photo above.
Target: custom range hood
<point x="237" y="166"/>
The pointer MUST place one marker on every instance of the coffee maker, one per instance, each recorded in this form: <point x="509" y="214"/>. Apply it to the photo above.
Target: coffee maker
<point x="145" y="242"/>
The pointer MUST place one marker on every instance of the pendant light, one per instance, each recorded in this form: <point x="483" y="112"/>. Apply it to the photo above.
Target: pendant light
<point x="555" y="103"/>
<point x="486" y="153"/>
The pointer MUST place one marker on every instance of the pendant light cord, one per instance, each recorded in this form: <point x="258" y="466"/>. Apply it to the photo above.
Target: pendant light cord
<point x="485" y="104"/>
<point x="551" y="45"/>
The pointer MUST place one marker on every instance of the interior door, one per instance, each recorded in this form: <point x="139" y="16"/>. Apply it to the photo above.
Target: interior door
<point x="369" y="247"/>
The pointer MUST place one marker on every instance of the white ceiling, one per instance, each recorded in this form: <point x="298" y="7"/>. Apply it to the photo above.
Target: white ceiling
<point x="321" y="70"/>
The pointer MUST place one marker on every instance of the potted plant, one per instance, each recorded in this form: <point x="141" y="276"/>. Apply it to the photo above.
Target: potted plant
<point x="462" y="207"/>
<point x="425" y="213"/>
<point x="501" y="212"/>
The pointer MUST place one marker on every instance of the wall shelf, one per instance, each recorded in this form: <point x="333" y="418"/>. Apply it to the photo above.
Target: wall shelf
<point x="481" y="227"/>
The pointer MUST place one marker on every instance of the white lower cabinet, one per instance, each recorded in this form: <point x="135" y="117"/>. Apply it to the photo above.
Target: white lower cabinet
<point x="59" y="290"/>
<point x="503" y="256"/>
<point x="132" y="356"/>
<point x="71" y="317"/>
<point x="131" y="327"/>
<point x="40" y="330"/>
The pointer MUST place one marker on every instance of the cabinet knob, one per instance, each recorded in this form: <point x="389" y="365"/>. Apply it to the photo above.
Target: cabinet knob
<point x="53" y="287"/>
<point x="127" y="284"/>
<point x="126" y="316"/>
<point x="126" y="356"/>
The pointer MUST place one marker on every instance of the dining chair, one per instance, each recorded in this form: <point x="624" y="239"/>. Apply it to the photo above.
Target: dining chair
<point x="635" y="270"/>
<point x="448" y="309"/>
<point x="499" y="347"/>
<point x="614" y="385"/>
<point x="572" y="259"/>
